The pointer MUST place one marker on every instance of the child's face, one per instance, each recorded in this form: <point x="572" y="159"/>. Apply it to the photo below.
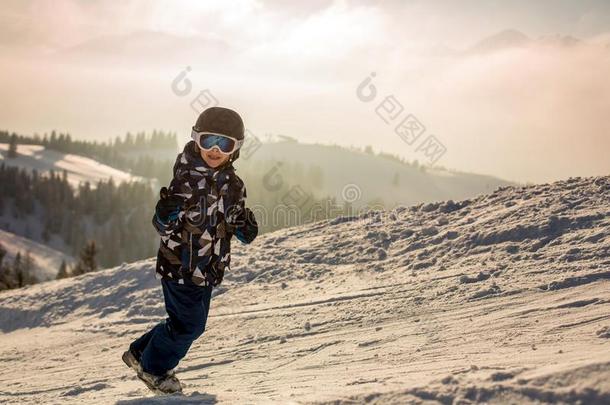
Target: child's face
<point x="213" y="157"/>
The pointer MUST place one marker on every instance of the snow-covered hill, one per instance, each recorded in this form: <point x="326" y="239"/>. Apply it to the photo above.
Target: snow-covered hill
<point x="45" y="260"/>
<point x="503" y="298"/>
<point x="373" y="176"/>
<point x="79" y="169"/>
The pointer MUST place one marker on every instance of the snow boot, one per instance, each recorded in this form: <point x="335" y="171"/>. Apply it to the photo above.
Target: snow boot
<point x="130" y="359"/>
<point x="165" y="384"/>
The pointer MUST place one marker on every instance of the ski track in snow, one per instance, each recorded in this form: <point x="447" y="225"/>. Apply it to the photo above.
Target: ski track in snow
<point x="503" y="298"/>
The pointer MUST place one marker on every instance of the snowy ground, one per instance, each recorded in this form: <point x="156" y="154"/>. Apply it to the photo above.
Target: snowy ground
<point x="80" y="169"/>
<point x="503" y="298"/>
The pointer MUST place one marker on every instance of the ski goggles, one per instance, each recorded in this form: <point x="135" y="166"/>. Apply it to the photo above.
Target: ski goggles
<point x="209" y="140"/>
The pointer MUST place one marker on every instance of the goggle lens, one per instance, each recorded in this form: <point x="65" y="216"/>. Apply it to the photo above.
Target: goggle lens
<point x="208" y="141"/>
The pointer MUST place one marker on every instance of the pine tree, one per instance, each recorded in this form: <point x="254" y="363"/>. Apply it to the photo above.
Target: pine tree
<point x="6" y="280"/>
<point x="46" y="232"/>
<point x="18" y="271"/>
<point x="87" y="262"/>
<point x="53" y="140"/>
<point x="63" y="271"/>
<point x="28" y="270"/>
<point x="88" y="258"/>
<point x="12" y="147"/>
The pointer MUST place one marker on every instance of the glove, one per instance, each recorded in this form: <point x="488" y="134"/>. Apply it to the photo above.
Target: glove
<point x="243" y="225"/>
<point x="215" y="273"/>
<point x="168" y="207"/>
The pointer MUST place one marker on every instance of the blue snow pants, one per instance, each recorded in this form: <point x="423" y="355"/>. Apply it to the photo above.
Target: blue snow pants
<point x="160" y="349"/>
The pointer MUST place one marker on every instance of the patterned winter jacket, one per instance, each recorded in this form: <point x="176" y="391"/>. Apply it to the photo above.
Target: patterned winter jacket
<point x="195" y="245"/>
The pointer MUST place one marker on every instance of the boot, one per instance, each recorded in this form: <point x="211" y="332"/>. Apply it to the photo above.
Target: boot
<point x="166" y="384"/>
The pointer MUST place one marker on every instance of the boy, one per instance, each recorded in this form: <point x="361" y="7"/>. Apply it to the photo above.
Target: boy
<point x="196" y="217"/>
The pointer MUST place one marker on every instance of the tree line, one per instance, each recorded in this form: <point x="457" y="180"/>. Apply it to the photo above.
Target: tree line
<point x="64" y="142"/>
<point x="115" y="218"/>
<point x="20" y="272"/>
<point x="131" y="153"/>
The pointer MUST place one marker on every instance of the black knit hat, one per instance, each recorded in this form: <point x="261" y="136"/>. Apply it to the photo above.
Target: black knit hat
<point x="220" y="120"/>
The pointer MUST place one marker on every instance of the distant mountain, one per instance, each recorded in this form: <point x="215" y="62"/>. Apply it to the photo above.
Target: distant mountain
<point x="502" y="40"/>
<point x="560" y="40"/>
<point x="510" y="39"/>
<point x="376" y="176"/>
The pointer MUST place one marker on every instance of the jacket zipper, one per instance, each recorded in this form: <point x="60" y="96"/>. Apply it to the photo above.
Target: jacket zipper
<point x="190" y="252"/>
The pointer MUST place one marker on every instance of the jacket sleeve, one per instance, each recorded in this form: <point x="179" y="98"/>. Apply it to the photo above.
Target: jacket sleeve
<point x="177" y="189"/>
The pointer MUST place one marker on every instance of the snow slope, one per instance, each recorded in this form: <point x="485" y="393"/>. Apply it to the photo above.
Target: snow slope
<point x="80" y="169"/>
<point x="503" y="298"/>
<point x="46" y="260"/>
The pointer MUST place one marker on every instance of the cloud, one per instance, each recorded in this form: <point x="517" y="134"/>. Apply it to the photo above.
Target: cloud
<point x="535" y="110"/>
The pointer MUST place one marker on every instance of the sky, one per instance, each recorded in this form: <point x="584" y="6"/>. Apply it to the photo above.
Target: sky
<point x="513" y="89"/>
